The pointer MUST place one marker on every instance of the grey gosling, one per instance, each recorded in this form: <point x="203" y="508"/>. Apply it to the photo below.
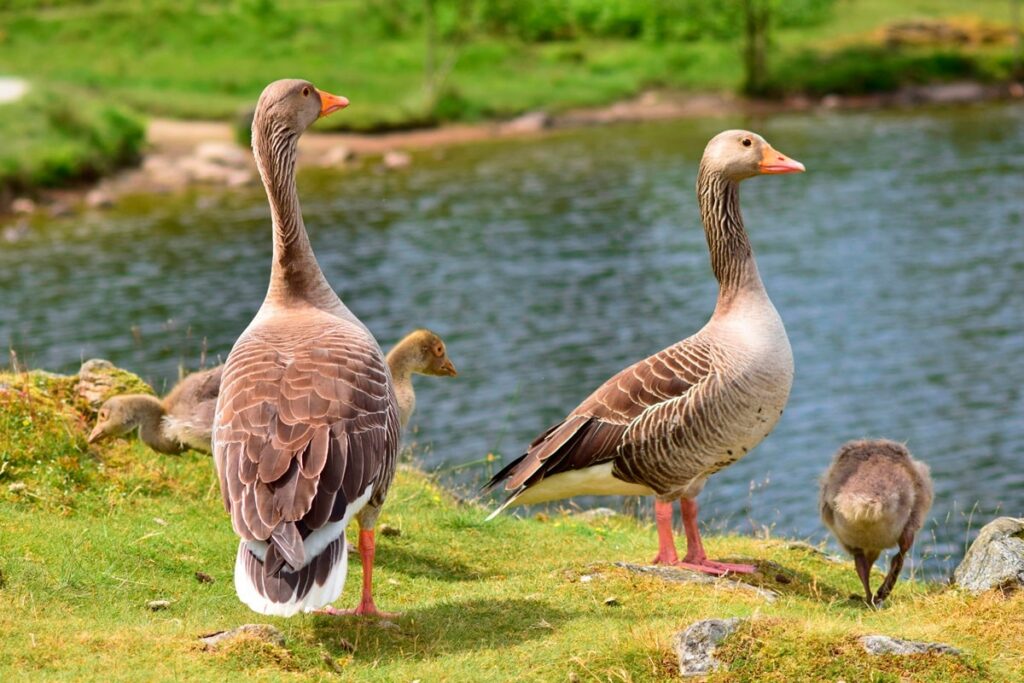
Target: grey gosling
<point x="172" y="425"/>
<point x="874" y="496"/>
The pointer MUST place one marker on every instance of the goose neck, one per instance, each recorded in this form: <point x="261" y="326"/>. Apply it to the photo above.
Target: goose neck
<point x="149" y="413"/>
<point x="295" y="273"/>
<point x="732" y="258"/>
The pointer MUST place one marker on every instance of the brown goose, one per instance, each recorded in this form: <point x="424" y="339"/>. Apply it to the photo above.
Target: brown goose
<point x="181" y="420"/>
<point x="665" y="424"/>
<point x="306" y="429"/>
<point x="420" y="352"/>
<point x="874" y="496"/>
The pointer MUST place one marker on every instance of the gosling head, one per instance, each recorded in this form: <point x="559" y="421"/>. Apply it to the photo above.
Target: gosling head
<point x="292" y="105"/>
<point x="117" y="416"/>
<point x="740" y="154"/>
<point x="426" y="354"/>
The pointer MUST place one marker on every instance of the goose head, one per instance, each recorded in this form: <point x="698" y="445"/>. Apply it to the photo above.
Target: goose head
<point x="740" y="154"/>
<point x="292" y="105"/>
<point x="424" y="353"/>
<point x="118" y="416"/>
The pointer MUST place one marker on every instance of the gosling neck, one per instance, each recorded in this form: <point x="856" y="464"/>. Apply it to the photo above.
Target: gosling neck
<point x="732" y="258"/>
<point x="401" y="366"/>
<point x="149" y="414"/>
<point x="295" y="275"/>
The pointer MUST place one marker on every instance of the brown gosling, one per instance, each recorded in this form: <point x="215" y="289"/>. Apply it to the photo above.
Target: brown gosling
<point x="421" y="352"/>
<point x="874" y="496"/>
<point x="172" y="425"/>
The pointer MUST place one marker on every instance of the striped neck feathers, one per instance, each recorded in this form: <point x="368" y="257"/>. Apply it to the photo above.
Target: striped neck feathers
<point x="732" y="258"/>
<point x="295" y="273"/>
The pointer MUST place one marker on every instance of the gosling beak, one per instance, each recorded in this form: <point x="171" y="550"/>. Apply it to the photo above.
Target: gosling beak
<point x="331" y="103"/>
<point x="96" y="433"/>
<point x="772" y="162"/>
<point x="448" y="368"/>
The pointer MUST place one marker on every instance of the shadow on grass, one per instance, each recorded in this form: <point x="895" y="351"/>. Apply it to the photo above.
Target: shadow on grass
<point x="447" y="627"/>
<point x="419" y="565"/>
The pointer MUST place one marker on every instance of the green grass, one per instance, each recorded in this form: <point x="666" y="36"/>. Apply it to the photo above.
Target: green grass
<point x="209" y="60"/>
<point x="57" y="136"/>
<point x="505" y="600"/>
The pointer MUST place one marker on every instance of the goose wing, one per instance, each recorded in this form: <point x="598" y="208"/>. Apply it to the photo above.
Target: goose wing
<point x="607" y="424"/>
<point x="303" y="430"/>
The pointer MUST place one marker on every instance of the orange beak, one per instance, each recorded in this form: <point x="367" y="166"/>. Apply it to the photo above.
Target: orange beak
<point x="448" y="368"/>
<point x="773" y="162"/>
<point x="330" y="103"/>
<point x="96" y="433"/>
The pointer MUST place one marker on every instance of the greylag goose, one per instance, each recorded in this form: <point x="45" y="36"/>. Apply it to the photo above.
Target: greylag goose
<point x="306" y="429"/>
<point x="874" y="496"/>
<point x="420" y="352"/>
<point x="181" y="420"/>
<point x="665" y="424"/>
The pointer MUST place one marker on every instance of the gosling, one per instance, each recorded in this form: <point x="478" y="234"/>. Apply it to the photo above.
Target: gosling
<point x="420" y="352"/>
<point x="874" y="496"/>
<point x="182" y="420"/>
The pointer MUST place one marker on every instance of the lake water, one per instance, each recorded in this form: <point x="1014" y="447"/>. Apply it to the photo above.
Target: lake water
<point x="896" y="262"/>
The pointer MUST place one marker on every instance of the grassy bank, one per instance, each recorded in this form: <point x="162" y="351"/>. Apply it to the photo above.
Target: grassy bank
<point x="208" y="60"/>
<point x="56" y="136"/>
<point x="90" y="535"/>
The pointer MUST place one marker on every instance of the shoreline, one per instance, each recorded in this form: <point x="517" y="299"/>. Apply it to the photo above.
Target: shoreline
<point x="182" y="154"/>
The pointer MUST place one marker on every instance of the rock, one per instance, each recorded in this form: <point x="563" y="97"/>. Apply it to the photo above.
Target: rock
<point x="338" y="156"/>
<point x="696" y="645"/>
<point x="223" y="154"/>
<point x="951" y="93"/>
<point x="17" y="487"/>
<point x="203" y="577"/>
<point x="995" y="559"/>
<point x="396" y="159"/>
<point x="612" y="601"/>
<point x="264" y="632"/>
<point x="884" y="645"/>
<point x="99" y="379"/>
<point x="23" y="205"/>
<point x="594" y="515"/>
<point x="98" y="198"/>
<point x="157" y="605"/>
<point x="203" y="171"/>
<point x="531" y="122"/>
<point x="390" y="531"/>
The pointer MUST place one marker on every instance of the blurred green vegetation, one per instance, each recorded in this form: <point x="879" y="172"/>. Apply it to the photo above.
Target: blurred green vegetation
<point x="53" y="137"/>
<point x="416" y="63"/>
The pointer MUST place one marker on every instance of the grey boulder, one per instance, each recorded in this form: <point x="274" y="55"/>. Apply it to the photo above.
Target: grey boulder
<point x="995" y="559"/>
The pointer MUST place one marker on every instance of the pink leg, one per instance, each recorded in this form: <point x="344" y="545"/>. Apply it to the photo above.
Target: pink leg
<point x="696" y="559"/>
<point x="367" y="549"/>
<point x="666" y="544"/>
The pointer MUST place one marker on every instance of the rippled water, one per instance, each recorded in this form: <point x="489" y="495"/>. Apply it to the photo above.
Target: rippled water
<point x="896" y="263"/>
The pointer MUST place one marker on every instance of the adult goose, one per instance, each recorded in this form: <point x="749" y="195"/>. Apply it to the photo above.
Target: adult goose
<point x="420" y="352"/>
<point x="874" y="496"/>
<point x="181" y="420"/>
<point x="665" y="424"/>
<point x="306" y="429"/>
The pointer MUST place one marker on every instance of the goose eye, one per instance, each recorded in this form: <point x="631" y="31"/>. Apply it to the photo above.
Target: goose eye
<point x="747" y="142"/>
<point x="305" y="91"/>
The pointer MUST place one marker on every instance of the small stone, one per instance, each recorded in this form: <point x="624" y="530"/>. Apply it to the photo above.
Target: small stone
<point x="396" y="159"/>
<point x="203" y="577"/>
<point x="995" y="559"/>
<point x="531" y="122"/>
<point x="98" y="198"/>
<point x="23" y="205"/>
<point x="594" y="515"/>
<point x="390" y="531"/>
<point x="160" y="521"/>
<point x="264" y="632"/>
<point x="612" y="601"/>
<point x="696" y="645"/>
<point x="157" y="605"/>
<point x="223" y="154"/>
<point x="338" y="156"/>
<point x="884" y="645"/>
<point x="17" y="487"/>
<point x="586" y="578"/>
